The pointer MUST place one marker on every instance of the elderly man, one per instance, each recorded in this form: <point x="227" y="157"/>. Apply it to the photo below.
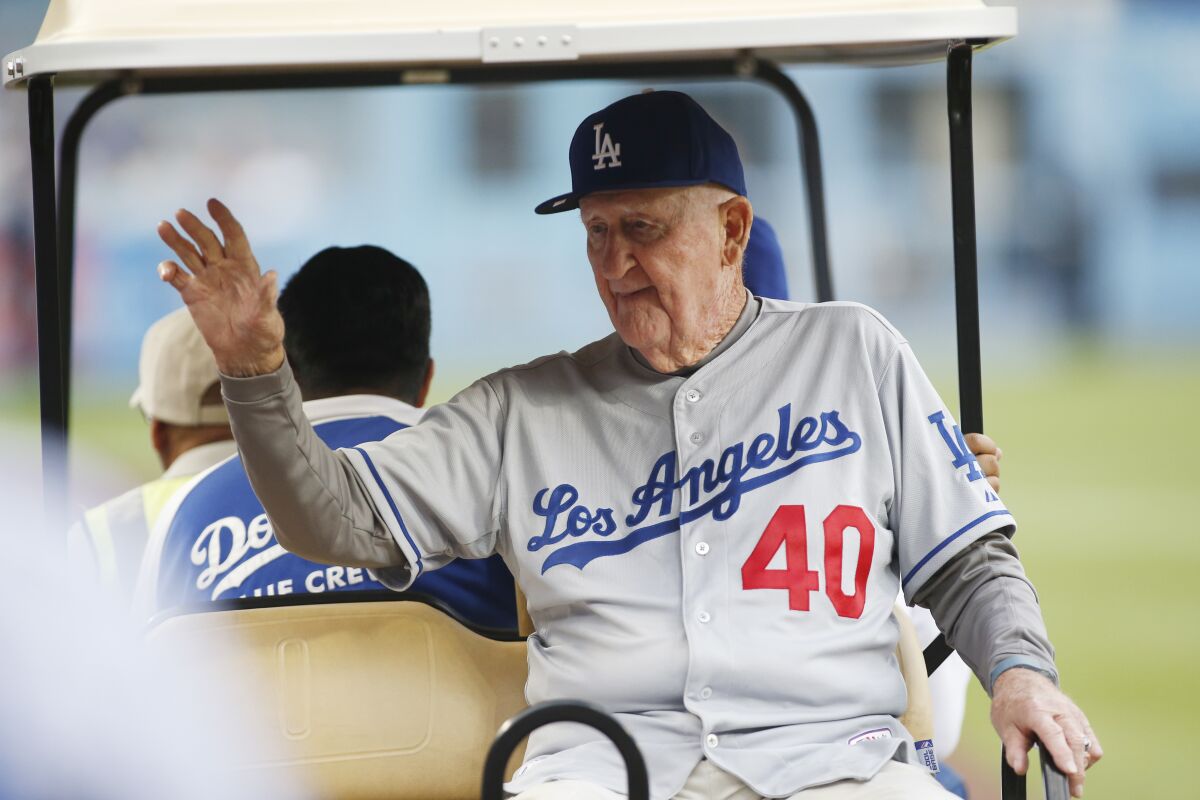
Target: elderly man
<point x="710" y="511"/>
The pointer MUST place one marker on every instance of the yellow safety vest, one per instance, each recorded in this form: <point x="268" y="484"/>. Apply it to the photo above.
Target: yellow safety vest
<point x="112" y="537"/>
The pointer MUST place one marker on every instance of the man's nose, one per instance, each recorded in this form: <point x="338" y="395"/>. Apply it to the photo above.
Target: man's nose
<point x="616" y="259"/>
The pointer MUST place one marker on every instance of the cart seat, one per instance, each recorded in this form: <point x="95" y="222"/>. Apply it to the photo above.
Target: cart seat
<point x="918" y="716"/>
<point x="389" y="699"/>
<point x="386" y="699"/>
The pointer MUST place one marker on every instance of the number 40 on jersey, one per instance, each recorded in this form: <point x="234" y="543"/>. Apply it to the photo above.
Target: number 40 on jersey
<point x="788" y="530"/>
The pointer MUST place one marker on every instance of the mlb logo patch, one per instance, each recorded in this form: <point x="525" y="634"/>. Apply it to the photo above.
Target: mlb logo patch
<point x="869" y="736"/>
<point x="926" y="755"/>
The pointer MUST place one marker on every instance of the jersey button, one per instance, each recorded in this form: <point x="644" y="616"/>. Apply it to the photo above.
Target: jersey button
<point x="711" y="740"/>
<point x="702" y="548"/>
<point x="704" y="616"/>
<point x="697" y="437"/>
<point x="706" y="693"/>
<point x="693" y="396"/>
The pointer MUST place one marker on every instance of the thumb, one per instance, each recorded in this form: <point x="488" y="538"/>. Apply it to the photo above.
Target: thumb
<point x="169" y="272"/>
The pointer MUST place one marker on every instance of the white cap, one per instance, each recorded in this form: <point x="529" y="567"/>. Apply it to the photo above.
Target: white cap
<point x="175" y="371"/>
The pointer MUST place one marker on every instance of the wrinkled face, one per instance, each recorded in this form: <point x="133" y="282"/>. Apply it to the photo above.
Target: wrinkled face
<point x="656" y="258"/>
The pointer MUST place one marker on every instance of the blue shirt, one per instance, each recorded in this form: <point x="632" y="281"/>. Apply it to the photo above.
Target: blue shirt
<point x="219" y="545"/>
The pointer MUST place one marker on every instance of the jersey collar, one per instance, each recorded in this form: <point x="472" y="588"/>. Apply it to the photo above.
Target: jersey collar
<point x="639" y="386"/>
<point x="744" y="321"/>
<point x="361" y="405"/>
<point x="200" y="458"/>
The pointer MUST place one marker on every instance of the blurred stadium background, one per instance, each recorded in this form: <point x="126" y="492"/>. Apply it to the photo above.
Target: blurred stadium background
<point x="1088" y="174"/>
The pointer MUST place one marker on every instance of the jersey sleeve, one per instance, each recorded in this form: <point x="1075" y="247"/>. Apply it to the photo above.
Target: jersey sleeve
<point x="435" y="484"/>
<point x="942" y="501"/>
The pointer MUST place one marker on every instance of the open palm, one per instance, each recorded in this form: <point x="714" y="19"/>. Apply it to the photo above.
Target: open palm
<point x="231" y="300"/>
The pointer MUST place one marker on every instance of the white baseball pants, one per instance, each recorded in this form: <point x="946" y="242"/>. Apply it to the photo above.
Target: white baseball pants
<point x="896" y="781"/>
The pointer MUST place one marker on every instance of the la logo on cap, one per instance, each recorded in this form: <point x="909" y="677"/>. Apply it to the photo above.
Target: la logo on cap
<point x="606" y="154"/>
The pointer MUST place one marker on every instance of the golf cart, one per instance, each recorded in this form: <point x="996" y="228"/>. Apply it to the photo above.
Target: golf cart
<point x="130" y="48"/>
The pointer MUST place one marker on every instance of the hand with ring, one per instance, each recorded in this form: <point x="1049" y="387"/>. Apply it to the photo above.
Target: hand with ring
<point x="1026" y="704"/>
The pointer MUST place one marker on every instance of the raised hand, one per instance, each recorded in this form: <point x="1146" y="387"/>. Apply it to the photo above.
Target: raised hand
<point x="230" y="299"/>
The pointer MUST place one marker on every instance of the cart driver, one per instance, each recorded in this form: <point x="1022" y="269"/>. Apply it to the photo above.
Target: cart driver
<point x="710" y="511"/>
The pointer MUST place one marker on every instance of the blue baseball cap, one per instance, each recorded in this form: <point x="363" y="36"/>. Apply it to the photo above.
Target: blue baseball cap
<point x="646" y="141"/>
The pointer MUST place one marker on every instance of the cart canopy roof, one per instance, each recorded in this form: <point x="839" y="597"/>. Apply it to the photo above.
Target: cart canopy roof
<point x="84" y="41"/>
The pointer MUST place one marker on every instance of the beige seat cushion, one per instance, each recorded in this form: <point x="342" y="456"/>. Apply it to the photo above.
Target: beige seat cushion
<point x="391" y="699"/>
<point x="918" y="717"/>
<point x="367" y="700"/>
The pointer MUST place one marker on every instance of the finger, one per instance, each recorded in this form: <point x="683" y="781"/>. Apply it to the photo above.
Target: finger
<point x="172" y="273"/>
<point x="989" y="464"/>
<point x="1075" y="737"/>
<point x="980" y="444"/>
<point x="994" y="482"/>
<point x="1016" y="749"/>
<point x="209" y="244"/>
<point x="236" y="243"/>
<point x="1095" y="752"/>
<point x="1053" y="738"/>
<point x="1081" y="755"/>
<point x="186" y="251"/>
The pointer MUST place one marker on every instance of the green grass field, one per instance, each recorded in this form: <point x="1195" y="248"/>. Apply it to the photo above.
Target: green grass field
<point x="1099" y="470"/>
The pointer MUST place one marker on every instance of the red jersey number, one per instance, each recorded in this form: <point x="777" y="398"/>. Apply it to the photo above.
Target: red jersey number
<point x="789" y="529"/>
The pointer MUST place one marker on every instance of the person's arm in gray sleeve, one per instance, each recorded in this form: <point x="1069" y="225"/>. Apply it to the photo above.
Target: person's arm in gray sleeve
<point x="411" y="505"/>
<point x="315" y="499"/>
<point x="986" y="607"/>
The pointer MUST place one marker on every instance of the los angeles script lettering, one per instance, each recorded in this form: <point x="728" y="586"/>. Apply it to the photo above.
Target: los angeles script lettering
<point x="713" y="487"/>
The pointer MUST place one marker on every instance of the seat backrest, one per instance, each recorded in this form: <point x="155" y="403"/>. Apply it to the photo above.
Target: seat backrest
<point x="524" y="621"/>
<point x="918" y="716"/>
<point x="392" y="699"/>
<point x="372" y="700"/>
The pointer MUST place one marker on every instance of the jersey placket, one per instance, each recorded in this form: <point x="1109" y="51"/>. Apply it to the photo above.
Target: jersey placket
<point x="701" y="556"/>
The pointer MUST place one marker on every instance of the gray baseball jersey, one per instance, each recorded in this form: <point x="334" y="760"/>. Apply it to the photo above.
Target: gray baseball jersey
<point x="712" y="557"/>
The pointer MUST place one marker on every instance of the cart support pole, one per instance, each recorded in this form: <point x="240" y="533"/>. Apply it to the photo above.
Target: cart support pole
<point x="966" y="278"/>
<point x="51" y="369"/>
<point x="68" y="179"/>
<point x="814" y="179"/>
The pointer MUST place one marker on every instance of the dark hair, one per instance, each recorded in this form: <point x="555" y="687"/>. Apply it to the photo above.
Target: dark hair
<point x="357" y="318"/>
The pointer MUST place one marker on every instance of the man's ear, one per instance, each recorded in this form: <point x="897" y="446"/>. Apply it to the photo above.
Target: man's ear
<point x="424" y="393"/>
<point x="737" y="215"/>
<point x="160" y="440"/>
